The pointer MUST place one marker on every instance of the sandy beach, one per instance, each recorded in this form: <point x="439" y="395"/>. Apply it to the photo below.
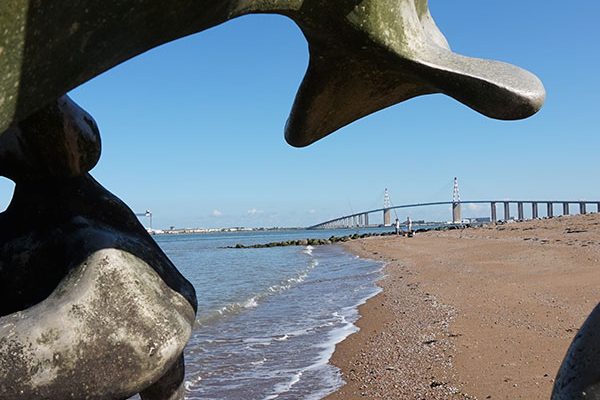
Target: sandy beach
<point x="478" y="313"/>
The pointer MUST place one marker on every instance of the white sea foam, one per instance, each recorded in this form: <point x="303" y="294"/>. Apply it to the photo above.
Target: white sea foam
<point x="259" y="362"/>
<point x="345" y="327"/>
<point x="193" y="383"/>
<point x="296" y="330"/>
<point x="282" y="338"/>
<point x="252" y="302"/>
<point x="285" y="387"/>
<point x="258" y="341"/>
<point x="336" y="336"/>
<point x="290" y="282"/>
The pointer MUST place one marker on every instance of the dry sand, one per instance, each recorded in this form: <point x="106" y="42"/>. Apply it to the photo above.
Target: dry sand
<point x="479" y="313"/>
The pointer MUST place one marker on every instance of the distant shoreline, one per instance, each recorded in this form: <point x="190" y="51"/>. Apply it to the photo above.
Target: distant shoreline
<point x="472" y="313"/>
<point x="190" y="231"/>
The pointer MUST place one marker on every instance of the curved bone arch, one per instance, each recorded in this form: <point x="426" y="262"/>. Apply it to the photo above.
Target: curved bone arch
<point x="375" y="52"/>
<point x="90" y="307"/>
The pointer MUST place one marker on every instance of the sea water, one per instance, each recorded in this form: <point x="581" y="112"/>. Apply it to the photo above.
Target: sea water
<point x="268" y="319"/>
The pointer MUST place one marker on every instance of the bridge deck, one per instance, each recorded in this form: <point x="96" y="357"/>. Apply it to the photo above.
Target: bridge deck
<point x="442" y="203"/>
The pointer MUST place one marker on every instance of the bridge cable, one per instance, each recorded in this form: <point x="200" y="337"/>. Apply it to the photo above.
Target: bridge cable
<point x="377" y="201"/>
<point x="352" y="213"/>
<point x="443" y="191"/>
<point x="392" y="205"/>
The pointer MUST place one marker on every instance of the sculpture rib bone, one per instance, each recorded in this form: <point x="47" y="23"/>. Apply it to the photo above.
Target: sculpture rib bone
<point x="90" y="307"/>
<point x="365" y="55"/>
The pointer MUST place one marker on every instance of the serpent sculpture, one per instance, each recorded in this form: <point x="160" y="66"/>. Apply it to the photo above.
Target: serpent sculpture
<point x="90" y="307"/>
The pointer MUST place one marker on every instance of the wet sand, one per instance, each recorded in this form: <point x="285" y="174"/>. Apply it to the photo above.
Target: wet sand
<point x="479" y="313"/>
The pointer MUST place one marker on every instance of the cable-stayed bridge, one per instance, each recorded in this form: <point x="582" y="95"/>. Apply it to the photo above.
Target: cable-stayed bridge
<point x="539" y="208"/>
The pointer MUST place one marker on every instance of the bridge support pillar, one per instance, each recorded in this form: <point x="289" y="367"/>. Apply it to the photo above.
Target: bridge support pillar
<point x="582" y="209"/>
<point x="534" y="210"/>
<point x="493" y="216"/>
<point x="366" y="219"/>
<point x="565" y="208"/>
<point x="598" y="207"/>
<point x="387" y="217"/>
<point x="520" y="213"/>
<point x="456" y="213"/>
<point x="506" y="210"/>
<point x="550" y="210"/>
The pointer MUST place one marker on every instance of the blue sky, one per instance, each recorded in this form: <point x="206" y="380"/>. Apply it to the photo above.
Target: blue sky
<point x="193" y="130"/>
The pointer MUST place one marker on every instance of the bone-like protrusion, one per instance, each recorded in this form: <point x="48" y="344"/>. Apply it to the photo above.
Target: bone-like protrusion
<point x="109" y="330"/>
<point x="366" y="55"/>
<point x="59" y="141"/>
<point x="579" y="375"/>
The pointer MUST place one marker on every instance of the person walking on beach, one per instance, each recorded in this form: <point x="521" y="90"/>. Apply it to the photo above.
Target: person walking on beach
<point x="409" y="224"/>
<point x="397" y="226"/>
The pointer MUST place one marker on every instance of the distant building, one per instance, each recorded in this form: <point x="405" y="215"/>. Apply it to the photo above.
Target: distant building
<point x="480" y="220"/>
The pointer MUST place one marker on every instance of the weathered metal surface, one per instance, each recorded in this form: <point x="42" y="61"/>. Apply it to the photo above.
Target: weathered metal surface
<point x="579" y="374"/>
<point x="365" y="55"/>
<point x="110" y="329"/>
<point x="90" y="307"/>
<point x="60" y="140"/>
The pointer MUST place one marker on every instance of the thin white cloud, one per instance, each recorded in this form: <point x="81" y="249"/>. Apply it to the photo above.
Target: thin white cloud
<point x="312" y="211"/>
<point x="216" y="213"/>
<point x="475" y="207"/>
<point x="254" y="211"/>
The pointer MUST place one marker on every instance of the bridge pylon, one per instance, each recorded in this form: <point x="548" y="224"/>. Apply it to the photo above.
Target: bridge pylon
<point x="387" y="212"/>
<point x="456" y="208"/>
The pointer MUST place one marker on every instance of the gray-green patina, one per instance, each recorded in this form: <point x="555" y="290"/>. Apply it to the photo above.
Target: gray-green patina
<point x="90" y="307"/>
<point x="391" y="50"/>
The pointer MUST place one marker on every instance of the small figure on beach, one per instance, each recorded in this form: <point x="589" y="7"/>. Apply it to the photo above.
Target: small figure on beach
<point x="408" y="225"/>
<point x="397" y="225"/>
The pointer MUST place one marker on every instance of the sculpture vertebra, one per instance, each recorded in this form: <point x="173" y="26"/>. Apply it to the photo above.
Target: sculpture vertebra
<point x="57" y="332"/>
